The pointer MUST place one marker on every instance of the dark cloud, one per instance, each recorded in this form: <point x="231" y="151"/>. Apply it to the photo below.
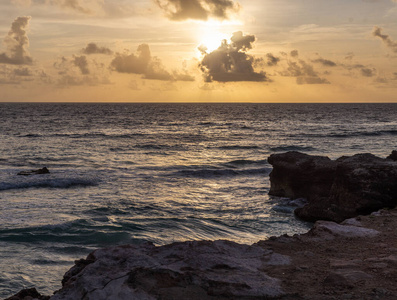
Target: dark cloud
<point x="241" y="41"/>
<point x="311" y="80"/>
<point x="363" y="70"/>
<point x="82" y="63"/>
<point x="17" y="43"/>
<point x="325" y="62"/>
<point x="179" y="10"/>
<point x="272" y="60"/>
<point x="304" y="73"/>
<point x="143" y="63"/>
<point x="392" y="45"/>
<point x="22" y="72"/>
<point x="93" y="48"/>
<point x="230" y="62"/>
<point x="366" y="72"/>
<point x="294" y="53"/>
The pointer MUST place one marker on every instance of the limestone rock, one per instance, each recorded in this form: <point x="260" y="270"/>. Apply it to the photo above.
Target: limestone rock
<point x="189" y="270"/>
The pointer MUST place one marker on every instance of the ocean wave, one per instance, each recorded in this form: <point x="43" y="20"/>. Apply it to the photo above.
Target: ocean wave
<point x="210" y="173"/>
<point x="291" y="148"/>
<point x="238" y="147"/>
<point x="353" y="134"/>
<point x="85" y="135"/>
<point x="243" y="162"/>
<point x="74" y="232"/>
<point x="42" y="181"/>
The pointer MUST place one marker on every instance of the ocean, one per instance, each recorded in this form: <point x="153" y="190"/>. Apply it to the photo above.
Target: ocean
<point x="128" y="173"/>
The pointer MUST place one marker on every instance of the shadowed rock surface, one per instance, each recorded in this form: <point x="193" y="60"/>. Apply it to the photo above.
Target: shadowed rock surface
<point x="34" y="172"/>
<point x="336" y="190"/>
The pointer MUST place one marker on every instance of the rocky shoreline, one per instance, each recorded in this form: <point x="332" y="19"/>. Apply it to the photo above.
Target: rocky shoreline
<point x="353" y="259"/>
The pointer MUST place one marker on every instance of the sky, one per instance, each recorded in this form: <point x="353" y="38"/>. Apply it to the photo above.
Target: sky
<point x="198" y="51"/>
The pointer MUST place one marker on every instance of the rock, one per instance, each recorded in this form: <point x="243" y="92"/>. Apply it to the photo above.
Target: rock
<point x="393" y="155"/>
<point x="189" y="270"/>
<point x="298" y="175"/>
<point x="336" y="190"/>
<point x="346" y="278"/>
<point x="342" y="230"/>
<point x="34" y="172"/>
<point x="28" y="294"/>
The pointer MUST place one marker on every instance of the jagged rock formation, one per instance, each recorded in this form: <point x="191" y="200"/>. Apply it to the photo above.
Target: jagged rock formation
<point x="336" y="190"/>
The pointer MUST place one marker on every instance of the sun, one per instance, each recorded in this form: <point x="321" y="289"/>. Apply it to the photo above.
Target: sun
<point x="211" y="38"/>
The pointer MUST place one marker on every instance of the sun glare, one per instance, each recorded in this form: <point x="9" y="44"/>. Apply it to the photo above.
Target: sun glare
<point x="211" y="37"/>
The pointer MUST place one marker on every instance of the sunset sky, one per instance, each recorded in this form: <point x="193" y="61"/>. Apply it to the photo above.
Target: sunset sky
<point x="198" y="50"/>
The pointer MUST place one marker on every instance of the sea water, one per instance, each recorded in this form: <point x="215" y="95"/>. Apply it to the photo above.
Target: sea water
<point x="128" y="173"/>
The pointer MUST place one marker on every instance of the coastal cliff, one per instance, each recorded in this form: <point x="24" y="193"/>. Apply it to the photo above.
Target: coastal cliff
<point x="353" y="259"/>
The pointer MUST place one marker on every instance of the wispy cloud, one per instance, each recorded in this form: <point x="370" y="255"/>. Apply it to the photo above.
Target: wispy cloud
<point x="179" y="10"/>
<point x="387" y="40"/>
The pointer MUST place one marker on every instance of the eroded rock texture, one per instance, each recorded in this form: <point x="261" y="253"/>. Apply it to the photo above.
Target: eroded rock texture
<point x="336" y="190"/>
<point x="190" y="270"/>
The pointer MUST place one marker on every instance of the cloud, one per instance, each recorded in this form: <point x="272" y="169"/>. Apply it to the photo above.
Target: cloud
<point x="294" y="53"/>
<point x="230" y="62"/>
<point x="179" y="10"/>
<point x="366" y="72"/>
<point x="72" y="4"/>
<point x="392" y="45"/>
<point x="304" y="73"/>
<point x="79" y="70"/>
<point x="143" y="63"/>
<point x="272" y="60"/>
<point x="23" y="72"/>
<point x="17" y="43"/>
<point x="325" y="62"/>
<point x="93" y="48"/>
<point x="82" y="64"/>
<point x="11" y="74"/>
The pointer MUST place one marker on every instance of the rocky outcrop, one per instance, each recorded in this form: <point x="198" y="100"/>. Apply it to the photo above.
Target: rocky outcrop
<point x="189" y="270"/>
<point x="298" y="175"/>
<point x="356" y="259"/>
<point x="34" y="172"/>
<point x="336" y="190"/>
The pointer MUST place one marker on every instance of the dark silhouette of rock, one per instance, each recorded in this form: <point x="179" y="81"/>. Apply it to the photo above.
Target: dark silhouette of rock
<point x="298" y="175"/>
<point x="336" y="190"/>
<point x="393" y="155"/>
<point x="34" y="172"/>
<point x="28" y="294"/>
